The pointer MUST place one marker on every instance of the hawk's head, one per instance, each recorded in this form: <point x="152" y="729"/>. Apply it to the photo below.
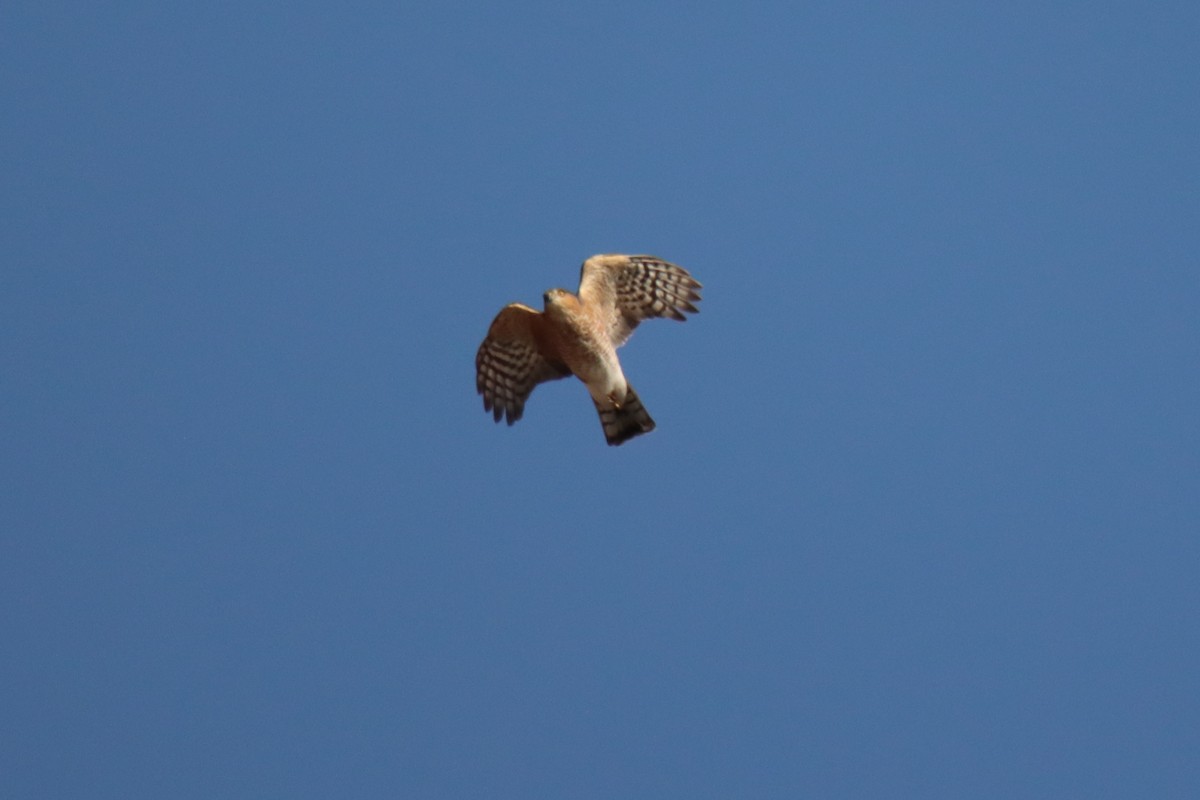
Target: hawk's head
<point x="558" y="298"/>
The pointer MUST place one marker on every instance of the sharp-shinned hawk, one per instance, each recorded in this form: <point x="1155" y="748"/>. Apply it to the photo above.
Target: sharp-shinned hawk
<point x="579" y="335"/>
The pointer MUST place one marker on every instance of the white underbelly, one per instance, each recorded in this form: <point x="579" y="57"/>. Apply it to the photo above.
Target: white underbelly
<point x="603" y="377"/>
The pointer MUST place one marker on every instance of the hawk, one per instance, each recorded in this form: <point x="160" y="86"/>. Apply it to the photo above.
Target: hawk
<point x="579" y="335"/>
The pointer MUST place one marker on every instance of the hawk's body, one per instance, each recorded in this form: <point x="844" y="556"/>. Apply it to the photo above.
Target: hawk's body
<point x="579" y="335"/>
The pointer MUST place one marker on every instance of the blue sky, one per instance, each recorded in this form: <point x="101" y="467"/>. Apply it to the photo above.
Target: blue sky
<point x="920" y="516"/>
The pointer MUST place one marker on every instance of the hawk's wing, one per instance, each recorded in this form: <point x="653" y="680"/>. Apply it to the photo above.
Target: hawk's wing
<point x="509" y="362"/>
<point x="624" y="290"/>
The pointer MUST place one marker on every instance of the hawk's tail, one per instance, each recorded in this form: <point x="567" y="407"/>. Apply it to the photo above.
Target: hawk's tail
<point x="630" y="420"/>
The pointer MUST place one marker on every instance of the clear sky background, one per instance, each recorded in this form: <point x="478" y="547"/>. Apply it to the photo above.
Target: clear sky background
<point x="921" y="515"/>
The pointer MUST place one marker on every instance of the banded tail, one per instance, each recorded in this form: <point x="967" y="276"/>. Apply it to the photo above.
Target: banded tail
<point x="630" y="420"/>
